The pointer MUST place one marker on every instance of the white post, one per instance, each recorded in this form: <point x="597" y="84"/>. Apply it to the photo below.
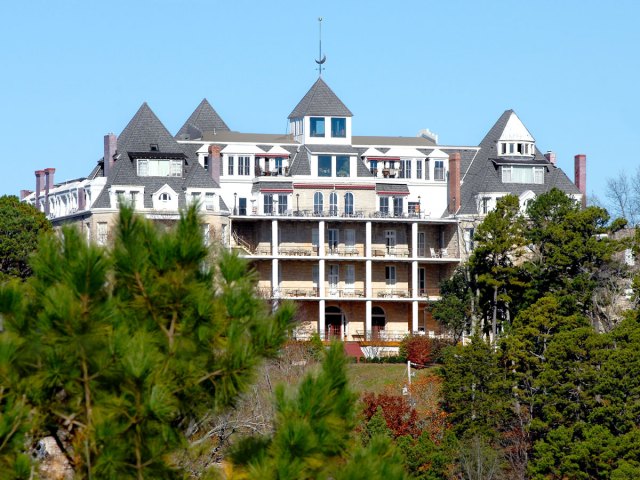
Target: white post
<point x="409" y="371"/>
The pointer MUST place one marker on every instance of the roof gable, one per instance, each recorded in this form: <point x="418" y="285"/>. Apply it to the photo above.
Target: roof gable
<point x="320" y="100"/>
<point x="146" y="129"/>
<point x="203" y="119"/>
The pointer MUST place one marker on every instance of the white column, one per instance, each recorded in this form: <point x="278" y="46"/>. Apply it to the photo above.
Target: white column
<point x="275" y="287"/>
<point x="321" y="318"/>
<point x="321" y="238"/>
<point x="368" y="283"/>
<point x="367" y="320"/>
<point x="367" y="244"/>
<point x="414" y="276"/>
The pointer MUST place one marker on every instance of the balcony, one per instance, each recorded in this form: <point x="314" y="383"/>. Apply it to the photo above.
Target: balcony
<point x="391" y="292"/>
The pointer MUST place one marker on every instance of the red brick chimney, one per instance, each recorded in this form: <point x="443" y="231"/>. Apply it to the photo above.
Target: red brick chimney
<point x="214" y="162"/>
<point x="110" y="147"/>
<point x="24" y="194"/>
<point x="580" y="163"/>
<point x="48" y="185"/>
<point x="39" y="183"/>
<point x="551" y="157"/>
<point x="454" y="183"/>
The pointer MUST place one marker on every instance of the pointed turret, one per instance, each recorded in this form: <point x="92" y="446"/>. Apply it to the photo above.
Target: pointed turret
<point x="203" y="119"/>
<point x="145" y="132"/>
<point x="321" y="101"/>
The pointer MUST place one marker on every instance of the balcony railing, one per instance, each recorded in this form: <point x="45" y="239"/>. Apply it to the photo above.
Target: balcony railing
<point x="391" y="252"/>
<point x="391" y="292"/>
<point x="344" y="292"/>
<point x="380" y="334"/>
<point x="285" y="211"/>
<point x="298" y="292"/>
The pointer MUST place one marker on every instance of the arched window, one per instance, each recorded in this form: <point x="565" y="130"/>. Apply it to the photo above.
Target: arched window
<point x="333" y="204"/>
<point x="165" y="197"/>
<point x="348" y="203"/>
<point x="318" y="203"/>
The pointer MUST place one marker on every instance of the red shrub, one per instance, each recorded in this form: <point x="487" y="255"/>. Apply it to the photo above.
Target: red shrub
<point x="400" y="417"/>
<point x="418" y="350"/>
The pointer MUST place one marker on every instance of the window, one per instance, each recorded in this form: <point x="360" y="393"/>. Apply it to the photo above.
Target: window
<point x="282" y="204"/>
<point x="468" y="239"/>
<point x="384" y="205"/>
<point x="314" y="238"/>
<point x="243" y="165"/>
<point x="278" y="162"/>
<point x="334" y="279"/>
<point x="134" y="198"/>
<point x="390" y="240"/>
<point x="419" y="169"/>
<point x="318" y="203"/>
<point x="333" y="204"/>
<point x="414" y="208"/>
<point x="405" y="169"/>
<point x="333" y="240"/>
<point x="206" y="162"/>
<point x="349" y="278"/>
<point x="484" y="205"/>
<point x="422" y="250"/>
<point x="268" y="204"/>
<point x="350" y="240"/>
<point x="317" y="126"/>
<point x="438" y="170"/>
<point x="522" y="174"/>
<point x="373" y="167"/>
<point x="342" y="166"/>
<point x="339" y="127"/>
<point x="426" y="169"/>
<point x="209" y="201"/>
<point x="398" y="206"/>
<point x="165" y="197"/>
<point x="153" y="147"/>
<point x="348" y="203"/>
<point x="390" y="275"/>
<point x="230" y="166"/>
<point x="159" y="168"/>
<point x="242" y="206"/>
<point x="206" y="234"/>
<point x="102" y="233"/>
<point x="195" y="198"/>
<point x="324" y="165"/>
<point x="503" y="149"/>
<point x="315" y="275"/>
<point x="512" y="148"/>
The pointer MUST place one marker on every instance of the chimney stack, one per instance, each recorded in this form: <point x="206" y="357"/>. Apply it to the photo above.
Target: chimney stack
<point x="110" y="147"/>
<point x="580" y="164"/>
<point x="454" y="183"/>
<point x="48" y="185"/>
<point x="82" y="198"/>
<point x="24" y="194"/>
<point x="551" y="157"/>
<point x="39" y="180"/>
<point x="214" y="162"/>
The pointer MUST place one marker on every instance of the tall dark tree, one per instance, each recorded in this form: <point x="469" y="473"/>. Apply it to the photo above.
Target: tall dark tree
<point x="499" y="240"/>
<point x="116" y="351"/>
<point x="21" y="225"/>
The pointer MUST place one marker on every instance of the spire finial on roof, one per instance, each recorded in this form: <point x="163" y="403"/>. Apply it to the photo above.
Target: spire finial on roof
<point x="321" y="59"/>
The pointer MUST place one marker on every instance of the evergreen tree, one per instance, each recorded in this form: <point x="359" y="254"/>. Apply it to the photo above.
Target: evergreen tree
<point x="116" y="351"/>
<point x="499" y="240"/>
<point x="313" y="435"/>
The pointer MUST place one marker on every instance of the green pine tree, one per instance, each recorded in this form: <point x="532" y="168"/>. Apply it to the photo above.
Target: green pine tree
<point x="313" y="435"/>
<point x="117" y="350"/>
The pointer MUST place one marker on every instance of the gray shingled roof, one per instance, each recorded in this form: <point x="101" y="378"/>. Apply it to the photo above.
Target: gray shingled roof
<point x="482" y="172"/>
<point x="300" y="163"/>
<point x="257" y="138"/>
<point x="398" y="188"/>
<point x="320" y="100"/>
<point x="203" y="119"/>
<point x="144" y="130"/>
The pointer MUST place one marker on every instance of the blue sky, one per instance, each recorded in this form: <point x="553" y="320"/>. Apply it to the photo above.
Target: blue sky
<point x="73" y="71"/>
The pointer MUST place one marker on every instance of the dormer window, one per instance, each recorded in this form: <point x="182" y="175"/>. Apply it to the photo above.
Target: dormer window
<point x="338" y="127"/>
<point x="317" y="126"/>
<point x="154" y="147"/>
<point x="159" y="168"/>
<point x="522" y="174"/>
<point x="516" y="148"/>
